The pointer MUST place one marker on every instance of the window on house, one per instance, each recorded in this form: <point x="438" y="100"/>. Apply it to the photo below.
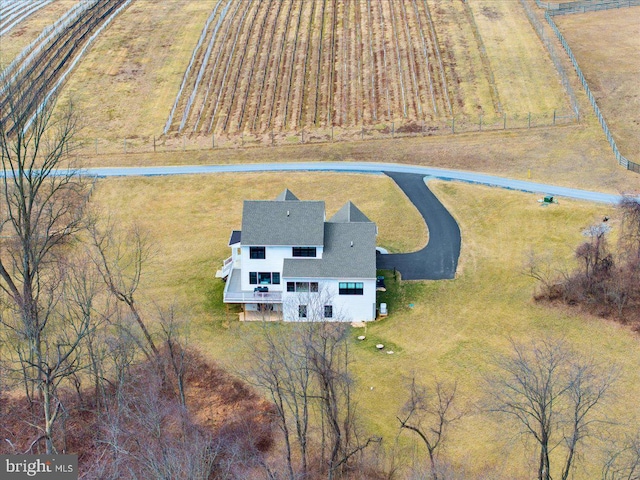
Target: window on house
<point x="351" y="288"/>
<point x="328" y="311"/>
<point x="257" y="252"/>
<point x="304" y="251"/>
<point x="302" y="311"/>
<point x="264" y="278"/>
<point x="302" y="287"/>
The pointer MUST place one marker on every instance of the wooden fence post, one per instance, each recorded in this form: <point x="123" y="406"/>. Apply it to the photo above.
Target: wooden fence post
<point x="154" y="144"/>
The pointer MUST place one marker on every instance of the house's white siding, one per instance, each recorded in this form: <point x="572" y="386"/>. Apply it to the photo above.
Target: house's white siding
<point x="346" y="308"/>
<point x="273" y="262"/>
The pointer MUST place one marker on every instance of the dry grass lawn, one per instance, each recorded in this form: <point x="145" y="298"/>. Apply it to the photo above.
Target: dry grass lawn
<point x="606" y="45"/>
<point x="126" y="84"/>
<point x="454" y="328"/>
<point x="190" y="218"/>
<point x="577" y="156"/>
<point x="525" y="77"/>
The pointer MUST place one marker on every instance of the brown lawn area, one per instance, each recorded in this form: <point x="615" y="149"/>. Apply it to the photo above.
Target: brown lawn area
<point x="606" y="45"/>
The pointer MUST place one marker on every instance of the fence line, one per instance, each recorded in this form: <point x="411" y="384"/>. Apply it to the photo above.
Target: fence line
<point x="583" y="6"/>
<point x="171" y="143"/>
<point x="619" y="157"/>
<point x="537" y="25"/>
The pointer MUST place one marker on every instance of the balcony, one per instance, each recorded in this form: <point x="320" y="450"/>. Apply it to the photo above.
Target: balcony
<point x="233" y="292"/>
<point x="227" y="266"/>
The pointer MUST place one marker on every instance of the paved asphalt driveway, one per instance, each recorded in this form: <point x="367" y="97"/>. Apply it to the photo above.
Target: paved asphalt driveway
<point x="439" y="259"/>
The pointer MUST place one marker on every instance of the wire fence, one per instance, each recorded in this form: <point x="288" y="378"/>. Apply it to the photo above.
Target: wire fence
<point x="397" y="129"/>
<point x="603" y="123"/>
<point x="583" y="6"/>
<point x="538" y="27"/>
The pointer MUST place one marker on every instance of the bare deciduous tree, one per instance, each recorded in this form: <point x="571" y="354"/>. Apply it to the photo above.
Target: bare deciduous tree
<point x="305" y="371"/>
<point x="429" y="415"/>
<point x="41" y="213"/>
<point x="175" y="339"/>
<point x="554" y="395"/>
<point x="623" y="461"/>
<point x="120" y="259"/>
<point x="630" y="227"/>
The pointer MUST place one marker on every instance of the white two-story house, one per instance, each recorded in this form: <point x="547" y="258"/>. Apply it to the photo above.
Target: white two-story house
<point x="290" y="260"/>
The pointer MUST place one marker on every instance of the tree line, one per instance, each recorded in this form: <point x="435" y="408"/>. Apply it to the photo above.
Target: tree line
<point x="83" y="368"/>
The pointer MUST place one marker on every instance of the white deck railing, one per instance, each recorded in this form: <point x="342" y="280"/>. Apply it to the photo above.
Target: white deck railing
<point x="227" y="266"/>
<point x="253" y="297"/>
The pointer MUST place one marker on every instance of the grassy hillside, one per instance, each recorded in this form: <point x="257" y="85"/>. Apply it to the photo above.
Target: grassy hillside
<point x="606" y="45"/>
<point x="453" y="328"/>
<point x="126" y="84"/>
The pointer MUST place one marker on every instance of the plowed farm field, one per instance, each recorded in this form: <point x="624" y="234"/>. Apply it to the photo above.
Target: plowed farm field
<point x="296" y="68"/>
<point x="234" y="67"/>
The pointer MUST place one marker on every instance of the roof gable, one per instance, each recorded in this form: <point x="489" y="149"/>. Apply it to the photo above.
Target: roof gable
<point x="349" y="213"/>
<point x="286" y="196"/>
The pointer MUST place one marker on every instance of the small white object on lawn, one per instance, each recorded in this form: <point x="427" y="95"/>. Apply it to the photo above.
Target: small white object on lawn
<point x="390" y="352"/>
<point x="379" y="346"/>
<point x="361" y="337"/>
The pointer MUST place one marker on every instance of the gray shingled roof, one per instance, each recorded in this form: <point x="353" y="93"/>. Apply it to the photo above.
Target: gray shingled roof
<point x="349" y="213"/>
<point x="340" y="259"/>
<point x="295" y="223"/>
<point x="236" y="237"/>
<point x="286" y="196"/>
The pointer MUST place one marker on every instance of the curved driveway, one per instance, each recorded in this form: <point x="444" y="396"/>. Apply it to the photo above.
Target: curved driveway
<point x="439" y="259"/>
